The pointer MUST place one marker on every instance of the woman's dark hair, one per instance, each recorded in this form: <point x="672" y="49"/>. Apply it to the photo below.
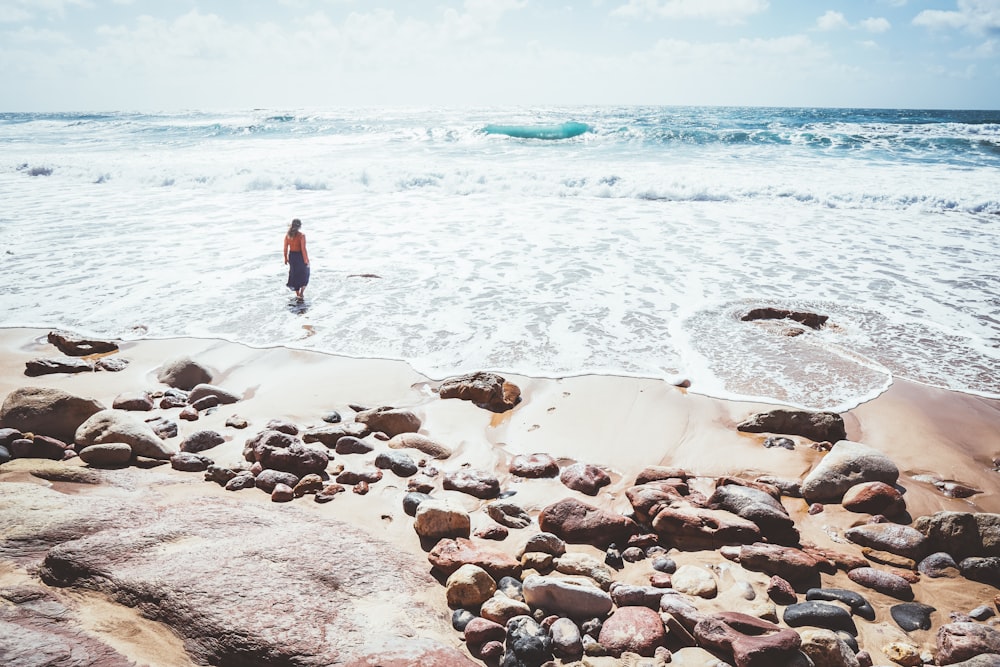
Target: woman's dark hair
<point x="293" y="229"/>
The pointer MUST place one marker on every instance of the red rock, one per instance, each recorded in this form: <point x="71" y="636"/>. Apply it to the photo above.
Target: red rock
<point x="633" y="629"/>
<point x="752" y="642"/>
<point x="133" y="401"/>
<point x="834" y="560"/>
<point x="585" y="478"/>
<point x="780" y="591"/>
<point x="412" y="651"/>
<point x="493" y="531"/>
<point x="579" y="523"/>
<point x="660" y="580"/>
<point x="815" y="508"/>
<point x="659" y="473"/>
<point x="882" y="581"/>
<point x="687" y="526"/>
<point x="789" y="563"/>
<point x="487" y="390"/>
<point x="476" y="483"/>
<point x="957" y="642"/>
<point x="282" y="493"/>
<point x="874" y="498"/>
<point x="189" y="414"/>
<point x="480" y="630"/>
<point x="534" y="466"/>
<point x="648" y="499"/>
<point x="450" y="554"/>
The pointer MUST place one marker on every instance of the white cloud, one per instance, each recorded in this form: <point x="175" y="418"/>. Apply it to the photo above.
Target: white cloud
<point x="30" y="35"/>
<point x="831" y="20"/>
<point x="16" y="11"/>
<point x="722" y="11"/>
<point x="876" y="25"/>
<point x="977" y="16"/>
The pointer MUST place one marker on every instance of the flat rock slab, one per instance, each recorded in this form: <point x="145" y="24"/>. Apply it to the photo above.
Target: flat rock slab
<point x="294" y="589"/>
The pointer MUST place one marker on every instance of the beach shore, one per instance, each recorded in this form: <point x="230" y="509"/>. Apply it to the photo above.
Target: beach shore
<point x="939" y="440"/>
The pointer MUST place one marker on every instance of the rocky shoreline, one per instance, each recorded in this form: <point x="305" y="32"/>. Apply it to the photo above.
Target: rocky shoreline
<point x="377" y="517"/>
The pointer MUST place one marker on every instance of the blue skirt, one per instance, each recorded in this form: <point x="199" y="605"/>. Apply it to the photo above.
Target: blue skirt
<point x="298" y="271"/>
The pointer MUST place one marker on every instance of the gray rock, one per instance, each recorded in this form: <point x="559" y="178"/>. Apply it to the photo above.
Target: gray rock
<point x="267" y="480"/>
<point x="857" y="602"/>
<point x="199" y="441"/>
<point x="912" y="616"/>
<point x="203" y="390"/>
<point x="568" y="597"/>
<point x="37" y="367"/>
<point x="118" y="426"/>
<point x="963" y="641"/>
<point x="985" y="570"/>
<point x="352" y="445"/>
<point x="183" y="373"/>
<point x="757" y="506"/>
<point x="846" y="464"/>
<point x="188" y="462"/>
<point x="76" y="345"/>
<point x="892" y="537"/>
<point x="820" y="615"/>
<point x="399" y="463"/>
<point x="508" y="514"/>
<point x="937" y="565"/>
<point x="47" y="412"/>
<point x="107" y="455"/>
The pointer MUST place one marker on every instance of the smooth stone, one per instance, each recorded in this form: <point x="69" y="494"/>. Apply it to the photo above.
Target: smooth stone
<point x="985" y="570"/>
<point x="199" y="441"/>
<point x="826" y="648"/>
<point x="109" y="454"/>
<point x="634" y="630"/>
<point x="133" y="401"/>
<point x="511" y="587"/>
<point x="400" y="463"/>
<point x="819" y="614"/>
<point x="476" y="483"/>
<point x="882" y="581"/>
<point x="585" y="478"/>
<point x="817" y="426"/>
<point x="568" y="597"/>
<point x="508" y="514"/>
<point x="268" y="480"/>
<point x="460" y="619"/>
<point x="912" y="616"/>
<point x="332" y="417"/>
<point x="46" y="411"/>
<point x="695" y="580"/>
<point x="584" y="565"/>
<point x="183" y="373"/>
<point x="389" y="420"/>
<point x="421" y="443"/>
<point x="204" y="390"/>
<point x="528" y="644"/>
<point x="892" y="537"/>
<point x="781" y="592"/>
<point x="567" y="642"/>
<point x="436" y="519"/>
<point x="500" y="609"/>
<point x="845" y="465"/>
<point x="962" y="641"/>
<point x="185" y="461"/>
<point x="874" y="498"/>
<point x="412" y="500"/>
<point x="75" y="345"/>
<point x="119" y="426"/>
<point x="349" y="444"/>
<point x="37" y="367"/>
<point x="534" y="466"/>
<point x="858" y="603"/>
<point x="937" y="565"/>
<point x="664" y="564"/>
<point x="544" y="542"/>
<point x="469" y="586"/>
<point x="282" y="493"/>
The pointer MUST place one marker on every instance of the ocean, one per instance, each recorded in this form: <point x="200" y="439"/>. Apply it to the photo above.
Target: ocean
<point x="633" y="248"/>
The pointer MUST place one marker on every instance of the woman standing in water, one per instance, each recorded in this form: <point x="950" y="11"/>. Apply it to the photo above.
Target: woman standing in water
<point x="297" y="259"/>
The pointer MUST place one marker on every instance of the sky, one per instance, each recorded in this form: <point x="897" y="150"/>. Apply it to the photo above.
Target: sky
<point x="168" y="55"/>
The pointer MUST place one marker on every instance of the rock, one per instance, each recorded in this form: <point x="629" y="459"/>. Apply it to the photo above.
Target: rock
<point x="567" y="644"/>
<point x="626" y="595"/>
<point x="585" y="478"/>
<point x="478" y="631"/>
<point x="912" y="616"/>
<point x="891" y="537"/>
<point x="827" y="649"/>
<point x="107" y="455"/>
<point x="820" y="615"/>
<point x="114" y="548"/>
<point x="886" y="558"/>
<point x="237" y="422"/>
<point x="469" y="586"/>
<point x="579" y="523"/>
<point x="203" y="403"/>
<point x="185" y="461"/>
<point x="780" y="591"/>
<point x="534" y="466"/>
<point x="545" y="543"/>
<point x="450" y="554"/>
<point x="984" y="570"/>
<point x="119" y="426"/>
<point x="436" y="519"/>
<point x="409" y="651"/>
<point x="784" y="443"/>
<point x="903" y="653"/>
<point x="487" y="390"/>
<point x="691" y="527"/>
<point x="817" y="426"/>
<point x="37" y="367"/>
<point x="297" y="459"/>
<point x="219" y="474"/>
<point x="938" y="565"/>
<point x="352" y="477"/>
<point x="267" y="480"/>
<point x="282" y="493"/>
<point x="461" y="618"/>
<point x="811" y="320"/>
<point x="508" y="514"/>
<point x="329" y="492"/>
<point x="134" y="401"/>
<point x="421" y="443"/>
<point x="760" y="508"/>
<point x="574" y="598"/>
<point x="38" y="447"/>
<point x="528" y="644"/>
<point x="199" y="441"/>
<point x="391" y="421"/>
<point x="845" y="465"/>
<point x="882" y="581"/>
<point x="75" y="345"/>
<point x="584" y="565"/>
<point x="752" y="642"/>
<point x="857" y="602"/>
<point x="111" y="364"/>
<point x="793" y="565"/>
<point x="204" y="390"/>
<point x="633" y="629"/>
<point x="310" y="484"/>
<point x="330" y="435"/>
<point x="664" y="564"/>
<point x="5" y="454"/>
<point x="183" y="373"/>
<point x="874" y="498"/>
<point x="349" y="444"/>
<point x="399" y="463"/>
<point x="412" y="500"/>
<point x="500" y="609"/>
<point x="476" y="483"/>
<point x="695" y="580"/>
<point x="787" y="487"/>
<point x="962" y="641"/>
<point x="492" y="532"/>
<point x="45" y="411"/>
<point x="962" y="534"/>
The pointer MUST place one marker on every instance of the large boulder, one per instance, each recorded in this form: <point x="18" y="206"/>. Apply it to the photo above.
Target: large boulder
<point x="119" y="426"/>
<point x="183" y="373"/>
<point x="691" y="527"/>
<point x="846" y="464"/>
<point x="487" y="390"/>
<point x="818" y="426"/>
<point x="961" y="641"/>
<point x="274" y="556"/>
<point x="633" y="629"/>
<point x="46" y="411"/>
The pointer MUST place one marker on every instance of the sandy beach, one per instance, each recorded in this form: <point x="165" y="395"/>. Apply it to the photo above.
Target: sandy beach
<point x="943" y="443"/>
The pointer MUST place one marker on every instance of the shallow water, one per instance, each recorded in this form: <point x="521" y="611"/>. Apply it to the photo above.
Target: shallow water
<point x="630" y="249"/>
